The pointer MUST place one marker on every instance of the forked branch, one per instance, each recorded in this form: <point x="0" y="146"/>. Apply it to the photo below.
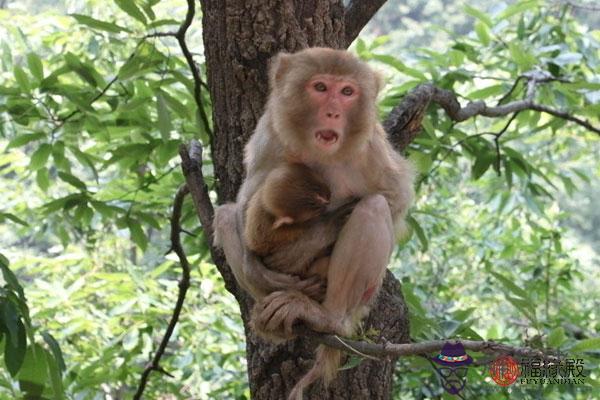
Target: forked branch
<point x="404" y="122"/>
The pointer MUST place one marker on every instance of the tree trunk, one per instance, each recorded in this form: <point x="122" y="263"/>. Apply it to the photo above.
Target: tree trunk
<point x="239" y="38"/>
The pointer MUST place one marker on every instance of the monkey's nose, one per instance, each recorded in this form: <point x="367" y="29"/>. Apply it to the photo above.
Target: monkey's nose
<point x="332" y="115"/>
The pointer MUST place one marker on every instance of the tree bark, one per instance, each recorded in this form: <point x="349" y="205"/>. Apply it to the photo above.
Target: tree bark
<point x="239" y="38"/>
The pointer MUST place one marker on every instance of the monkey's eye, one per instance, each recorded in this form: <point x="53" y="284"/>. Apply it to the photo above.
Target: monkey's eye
<point x="320" y="87"/>
<point x="347" y="91"/>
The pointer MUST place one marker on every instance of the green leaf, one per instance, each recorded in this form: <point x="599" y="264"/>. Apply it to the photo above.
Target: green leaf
<point x="521" y="56"/>
<point x="419" y="231"/>
<point x="4" y="216"/>
<point x="132" y="9"/>
<point x="137" y="234"/>
<point x="353" y="361"/>
<point x="164" y="119"/>
<point x="399" y="65"/>
<point x="55" y="348"/>
<point x="421" y="161"/>
<point x="525" y="306"/>
<point x="482" y="33"/>
<point x="21" y="78"/>
<point x="557" y="337"/>
<point x="379" y="41"/>
<point x="518" y="7"/>
<point x="482" y="163"/>
<point x="35" y="66"/>
<point x="40" y="157"/>
<point x="83" y="69"/>
<point x="72" y="180"/>
<point x="16" y="341"/>
<point x="592" y="344"/>
<point x="10" y="278"/>
<point x="84" y="214"/>
<point x="25" y="138"/>
<point x="361" y="48"/>
<point x="486" y="92"/>
<point x="480" y="15"/>
<point x="55" y="376"/>
<point x="97" y="24"/>
<point x="510" y="285"/>
<point x="42" y="178"/>
<point x="34" y="372"/>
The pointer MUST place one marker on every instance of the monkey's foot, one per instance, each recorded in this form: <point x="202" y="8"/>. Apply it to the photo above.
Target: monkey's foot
<point x="277" y="313"/>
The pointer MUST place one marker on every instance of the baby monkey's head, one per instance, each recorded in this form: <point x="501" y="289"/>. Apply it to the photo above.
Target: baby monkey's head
<point x="293" y="193"/>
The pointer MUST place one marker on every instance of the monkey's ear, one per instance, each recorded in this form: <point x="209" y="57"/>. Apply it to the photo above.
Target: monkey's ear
<point x="278" y="67"/>
<point x="282" y="221"/>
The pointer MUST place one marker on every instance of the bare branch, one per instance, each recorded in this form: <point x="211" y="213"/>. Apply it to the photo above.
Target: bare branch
<point x="370" y="350"/>
<point x="189" y="58"/>
<point x="191" y="164"/>
<point x="184" y="284"/>
<point x="160" y="34"/>
<point x="357" y="14"/>
<point x="193" y="67"/>
<point x="404" y="121"/>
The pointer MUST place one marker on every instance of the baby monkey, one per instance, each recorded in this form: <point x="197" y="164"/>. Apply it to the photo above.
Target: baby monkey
<point x="291" y="197"/>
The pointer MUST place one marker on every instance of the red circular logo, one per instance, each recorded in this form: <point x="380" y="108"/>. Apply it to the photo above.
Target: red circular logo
<point x="504" y="370"/>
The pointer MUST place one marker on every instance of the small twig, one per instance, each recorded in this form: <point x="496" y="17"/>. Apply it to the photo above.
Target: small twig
<point x="188" y="232"/>
<point x="184" y="284"/>
<point x="64" y="119"/>
<point x="510" y="91"/>
<point x="497" y="137"/>
<point x="180" y="35"/>
<point x="160" y="34"/>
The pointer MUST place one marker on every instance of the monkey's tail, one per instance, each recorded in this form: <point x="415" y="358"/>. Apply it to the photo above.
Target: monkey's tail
<point x="327" y="362"/>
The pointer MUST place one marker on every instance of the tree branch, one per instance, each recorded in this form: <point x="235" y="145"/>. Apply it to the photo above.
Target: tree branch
<point x="180" y="35"/>
<point x="378" y="351"/>
<point x="404" y="121"/>
<point x="357" y="15"/>
<point x="191" y="164"/>
<point x="184" y="284"/>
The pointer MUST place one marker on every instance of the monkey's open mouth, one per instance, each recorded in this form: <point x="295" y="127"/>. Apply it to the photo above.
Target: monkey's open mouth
<point x="326" y="137"/>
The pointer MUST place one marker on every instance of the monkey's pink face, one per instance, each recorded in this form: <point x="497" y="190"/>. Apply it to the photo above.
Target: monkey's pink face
<point x="333" y="98"/>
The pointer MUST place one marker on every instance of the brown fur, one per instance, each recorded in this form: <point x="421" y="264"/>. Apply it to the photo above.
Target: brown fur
<point x="358" y="241"/>
<point x="279" y="211"/>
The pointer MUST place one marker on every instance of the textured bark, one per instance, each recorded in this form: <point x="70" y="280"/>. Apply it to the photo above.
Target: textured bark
<point x="239" y="38"/>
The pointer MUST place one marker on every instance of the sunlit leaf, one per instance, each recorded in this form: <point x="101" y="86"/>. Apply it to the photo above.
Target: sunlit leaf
<point x="132" y="9"/>
<point x="35" y="66"/>
<point x="97" y="24"/>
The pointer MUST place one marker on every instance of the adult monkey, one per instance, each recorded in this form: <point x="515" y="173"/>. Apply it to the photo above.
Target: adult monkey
<point x="322" y="113"/>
